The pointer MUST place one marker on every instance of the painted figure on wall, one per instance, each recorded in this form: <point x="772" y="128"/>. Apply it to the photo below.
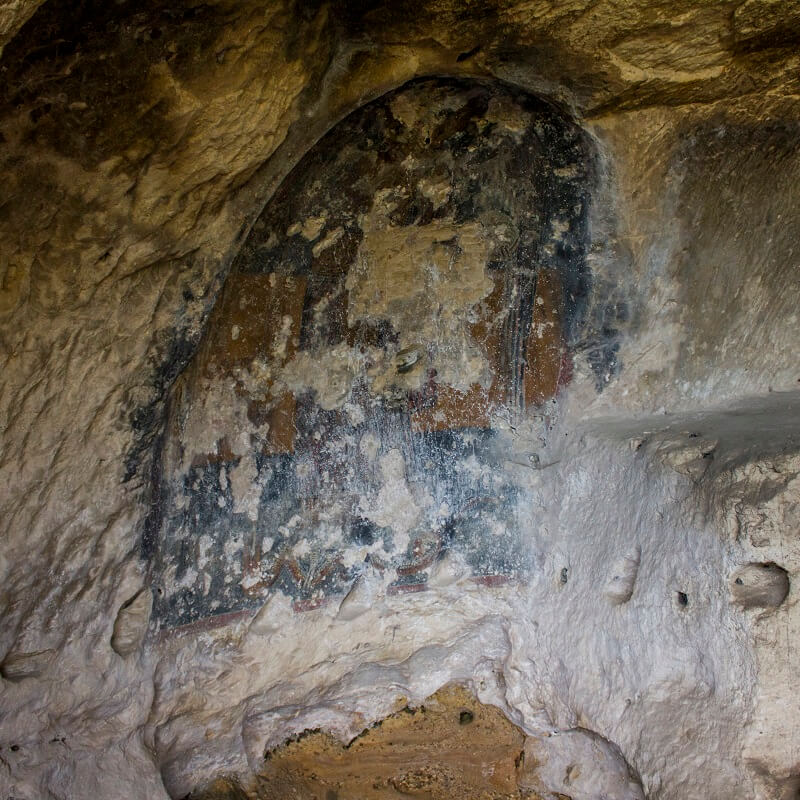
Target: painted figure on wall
<point x="413" y="289"/>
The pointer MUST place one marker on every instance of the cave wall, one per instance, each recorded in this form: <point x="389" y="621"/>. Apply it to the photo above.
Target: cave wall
<point x="139" y="147"/>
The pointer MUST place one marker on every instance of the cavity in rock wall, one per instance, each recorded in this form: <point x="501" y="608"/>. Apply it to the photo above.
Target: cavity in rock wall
<point x="413" y="292"/>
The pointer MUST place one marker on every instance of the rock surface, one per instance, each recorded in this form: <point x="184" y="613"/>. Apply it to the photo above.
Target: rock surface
<point x="450" y="746"/>
<point x="139" y="144"/>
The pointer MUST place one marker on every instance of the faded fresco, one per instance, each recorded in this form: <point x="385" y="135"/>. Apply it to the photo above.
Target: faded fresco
<point x="414" y="289"/>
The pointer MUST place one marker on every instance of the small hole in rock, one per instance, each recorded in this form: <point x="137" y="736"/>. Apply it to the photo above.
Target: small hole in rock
<point x="739" y="581"/>
<point x="683" y="599"/>
<point x="465" y="717"/>
<point x="564" y="575"/>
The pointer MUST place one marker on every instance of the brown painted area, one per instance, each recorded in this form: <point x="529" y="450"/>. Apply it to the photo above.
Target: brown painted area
<point x="543" y="355"/>
<point x="489" y="331"/>
<point x="223" y="455"/>
<point x="450" y="747"/>
<point x="490" y="580"/>
<point x="253" y="304"/>
<point x="541" y="371"/>
<point x="211" y="623"/>
<point x="451" y="408"/>
<point x="256" y="313"/>
<point x="454" y="409"/>
<point x="279" y="415"/>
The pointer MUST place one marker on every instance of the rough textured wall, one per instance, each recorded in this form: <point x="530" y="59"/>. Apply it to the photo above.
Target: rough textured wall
<point x="13" y="15"/>
<point x="139" y="144"/>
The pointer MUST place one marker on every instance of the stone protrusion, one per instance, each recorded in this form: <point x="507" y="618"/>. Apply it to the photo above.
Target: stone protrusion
<point x="450" y="569"/>
<point x="361" y="597"/>
<point x="131" y="623"/>
<point x="18" y="666"/>
<point x="687" y="454"/>
<point x="759" y="586"/>
<point x="270" y="616"/>
<point x="579" y="764"/>
<point x="621" y="582"/>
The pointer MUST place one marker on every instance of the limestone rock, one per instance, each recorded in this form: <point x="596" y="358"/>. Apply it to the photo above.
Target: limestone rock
<point x="622" y="580"/>
<point x="18" y="666"/>
<point x="13" y="15"/>
<point x="271" y="616"/>
<point x="759" y="21"/>
<point x="447" y="570"/>
<point x="578" y="764"/>
<point x="759" y="586"/>
<point x="362" y="597"/>
<point x="131" y="623"/>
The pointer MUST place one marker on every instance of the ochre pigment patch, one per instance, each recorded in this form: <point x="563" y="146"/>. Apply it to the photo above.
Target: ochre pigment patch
<point x="452" y="746"/>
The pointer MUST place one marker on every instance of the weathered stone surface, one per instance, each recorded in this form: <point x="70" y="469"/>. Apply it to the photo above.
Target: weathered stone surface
<point x="131" y="623"/>
<point x="762" y="586"/>
<point x="18" y="666"/>
<point x="580" y="765"/>
<point x="622" y="580"/>
<point x="139" y="144"/>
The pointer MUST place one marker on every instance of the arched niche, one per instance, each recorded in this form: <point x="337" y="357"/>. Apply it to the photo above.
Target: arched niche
<point x="413" y="291"/>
